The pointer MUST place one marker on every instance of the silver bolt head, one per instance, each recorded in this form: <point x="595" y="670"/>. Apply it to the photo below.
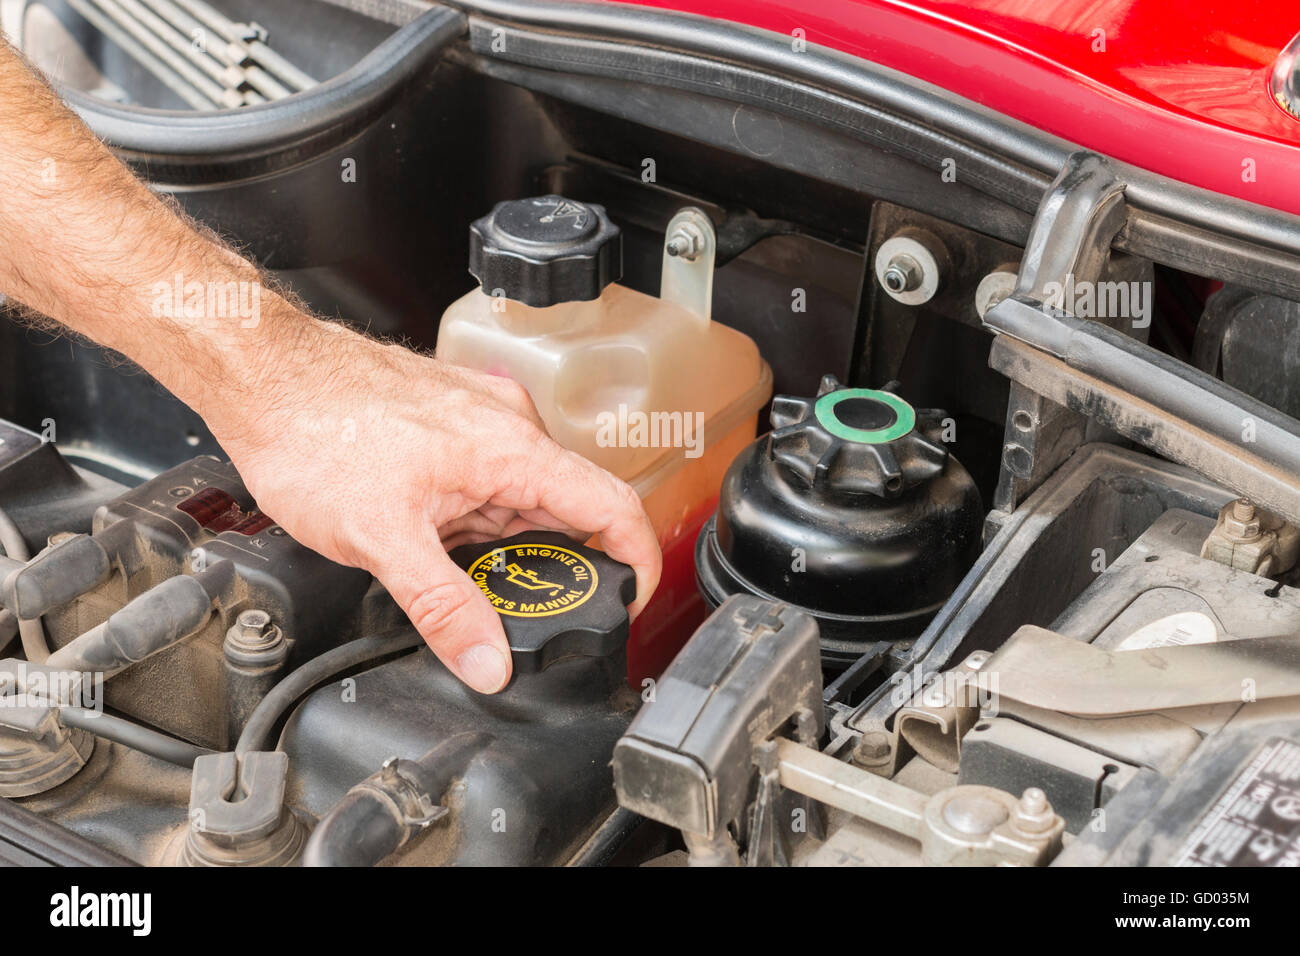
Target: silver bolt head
<point x="1034" y="814"/>
<point x="254" y="624"/>
<point x="686" y="242"/>
<point x="902" y="274"/>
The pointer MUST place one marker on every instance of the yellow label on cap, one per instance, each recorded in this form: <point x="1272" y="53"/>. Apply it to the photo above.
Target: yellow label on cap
<point x="534" y="580"/>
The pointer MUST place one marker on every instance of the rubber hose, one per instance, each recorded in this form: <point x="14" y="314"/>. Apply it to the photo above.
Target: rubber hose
<point x="264" y="718"/>
<point x="367" y="825"/>
<point x="133" y="735"/>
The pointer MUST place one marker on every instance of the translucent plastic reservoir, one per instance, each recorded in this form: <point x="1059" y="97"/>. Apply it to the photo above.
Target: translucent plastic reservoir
<point x="654" y="393"/>
<point x="642" y="387"/>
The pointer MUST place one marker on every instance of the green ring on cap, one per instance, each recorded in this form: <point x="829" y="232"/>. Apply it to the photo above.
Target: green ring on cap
<point x="904" y="421"/>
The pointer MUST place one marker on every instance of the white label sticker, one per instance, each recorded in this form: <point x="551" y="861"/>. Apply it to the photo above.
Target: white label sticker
<point x="1185" y="627"/>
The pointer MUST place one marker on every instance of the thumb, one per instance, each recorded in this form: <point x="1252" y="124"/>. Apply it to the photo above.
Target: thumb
<point x="452" y="616"/>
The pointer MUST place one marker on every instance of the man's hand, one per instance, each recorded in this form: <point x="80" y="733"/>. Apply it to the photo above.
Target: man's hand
<point x="369" y="453"/>
<point x="381" y="458"/>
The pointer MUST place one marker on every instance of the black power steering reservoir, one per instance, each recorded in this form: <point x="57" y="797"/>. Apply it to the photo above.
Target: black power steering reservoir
<point x="556" y="598"/>
<point x="852" y="509"/>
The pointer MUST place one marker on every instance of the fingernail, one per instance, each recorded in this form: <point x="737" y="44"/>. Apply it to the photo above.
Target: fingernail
<point x="482" y="667"/>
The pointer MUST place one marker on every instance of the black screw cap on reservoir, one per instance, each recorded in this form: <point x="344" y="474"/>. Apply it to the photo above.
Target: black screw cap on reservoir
<point x="556" y="598"/>
<point x="545" y="250"/>
<point x="850" y="441"/>
<point x="851" y="509"/>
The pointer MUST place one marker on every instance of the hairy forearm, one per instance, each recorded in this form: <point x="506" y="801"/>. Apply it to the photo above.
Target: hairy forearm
<point x="89" y="246"/>
<point x="371" y="454"/>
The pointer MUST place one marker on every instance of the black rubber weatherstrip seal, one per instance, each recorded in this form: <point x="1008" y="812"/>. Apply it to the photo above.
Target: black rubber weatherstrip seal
<point x="550" y="55"/>
<point x="1247" y="241"/>
<point x="328" y="113"/>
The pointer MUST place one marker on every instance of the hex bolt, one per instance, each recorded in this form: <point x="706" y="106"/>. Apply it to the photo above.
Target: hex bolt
<point x="1034" y="813"/>
<point x="872" y="749"/>
<point x="902" y="274"/>
<point x="1242" y="523"/>
<point x="254" y="640"/>
<point x="686" y="242"/>
<point x="910" y="264"/>
<point x="254" y="626"/>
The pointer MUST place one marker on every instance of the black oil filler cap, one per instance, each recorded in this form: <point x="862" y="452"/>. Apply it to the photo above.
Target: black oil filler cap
<point x="545" y="250"/>
<point x="556" y="598"/>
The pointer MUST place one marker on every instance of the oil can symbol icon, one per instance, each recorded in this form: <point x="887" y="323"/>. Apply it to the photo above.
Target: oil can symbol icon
<point x="529" y="579"/>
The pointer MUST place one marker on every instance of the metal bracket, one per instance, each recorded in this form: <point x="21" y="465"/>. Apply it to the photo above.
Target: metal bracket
<point x="967" y="825"/>
<point x="937" y="718"/>
<point x="690" y="247"/>
<point x="1175" y="410"/>
<point x="1069" y="243"/>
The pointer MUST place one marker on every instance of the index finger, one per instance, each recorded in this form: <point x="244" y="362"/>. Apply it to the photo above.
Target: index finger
<point x="584" y="496"/>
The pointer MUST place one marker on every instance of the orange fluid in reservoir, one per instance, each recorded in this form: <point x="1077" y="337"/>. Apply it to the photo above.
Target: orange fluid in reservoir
<point x="678" y="509"/>
<point x="647" y="390"/>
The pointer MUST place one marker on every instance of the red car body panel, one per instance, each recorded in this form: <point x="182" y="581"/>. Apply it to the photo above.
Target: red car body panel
<point x="1182" y="90"/>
